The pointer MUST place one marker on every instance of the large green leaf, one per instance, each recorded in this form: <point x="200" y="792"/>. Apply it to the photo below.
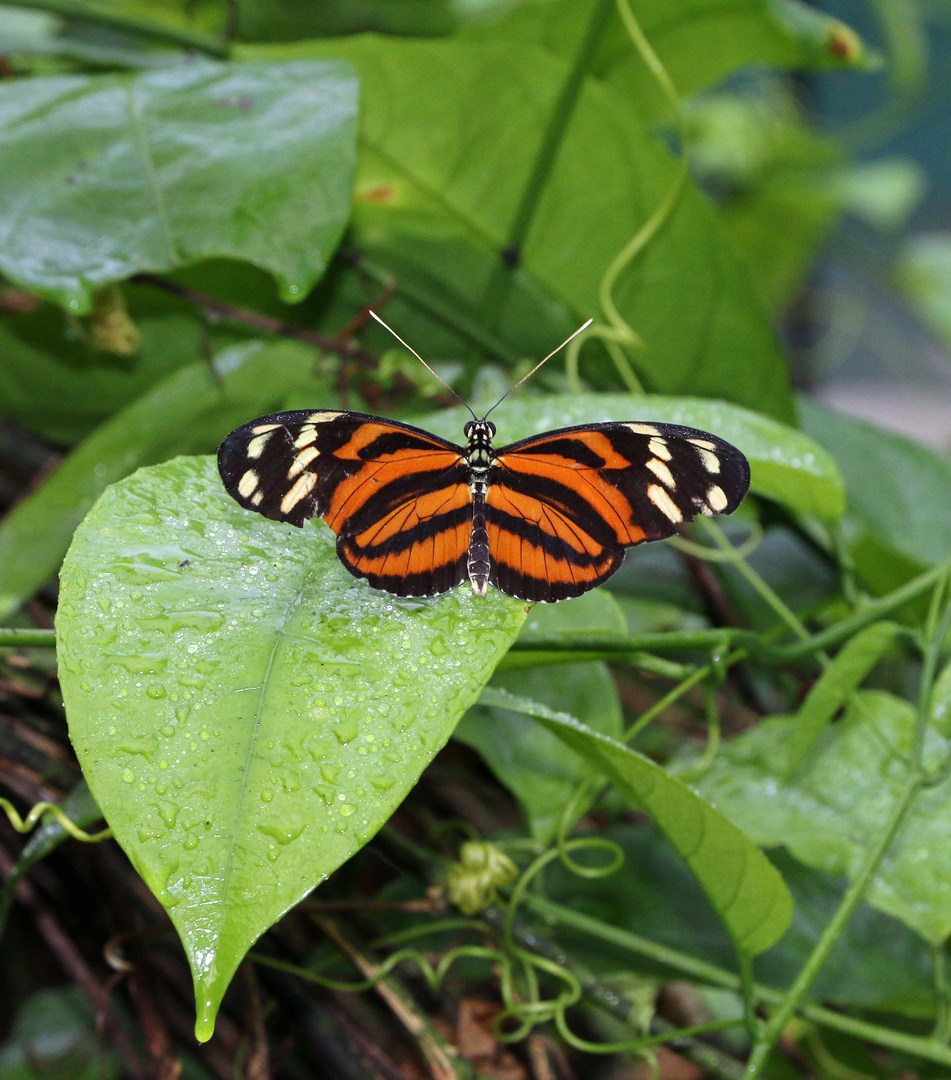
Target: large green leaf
<point x="834" y="806"/>
<point x="786" y="465"/>
<point x="745" y="889"/>
<point x="898" y="491"/>
<point x="246" y="713"/>
<point x="110" y="175"/>
<point x="450" y="133"/>
<point x="190" y="410"/>
<point x="698" y="41"/>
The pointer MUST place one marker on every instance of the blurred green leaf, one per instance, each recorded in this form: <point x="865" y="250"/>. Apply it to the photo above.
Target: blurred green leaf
<point x="114" y="174"/>
<point x="426" y="177"/>
<point x="55" y="1035"/>
<point x="743" y="886"/>
<point x="924" y="273"/>
<point x="897" y="490"/>
<point x="698" y="41"/>
<point x="246" y="713"/>
<point x="535" y="765"/>
<point x="786" y="465"/>
<point x="186" y="412"/>
<point x="835" y="805"/>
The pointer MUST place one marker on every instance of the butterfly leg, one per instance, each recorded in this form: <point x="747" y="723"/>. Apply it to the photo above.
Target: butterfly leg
<point x="479" y="544"/>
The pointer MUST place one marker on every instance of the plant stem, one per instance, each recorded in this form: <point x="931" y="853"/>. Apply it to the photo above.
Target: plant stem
<point x="132" y="24"/>
<point x="545" y="160"/>
<point x="26" y="638"/>
<point x="701" y="971"/>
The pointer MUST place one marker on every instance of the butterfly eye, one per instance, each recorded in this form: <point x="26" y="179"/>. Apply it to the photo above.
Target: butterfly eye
<point x="467" y="430"/>
<point x="491" y="427"/>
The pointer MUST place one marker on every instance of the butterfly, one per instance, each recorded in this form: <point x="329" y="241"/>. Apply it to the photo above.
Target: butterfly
<point x="542" y="519"/>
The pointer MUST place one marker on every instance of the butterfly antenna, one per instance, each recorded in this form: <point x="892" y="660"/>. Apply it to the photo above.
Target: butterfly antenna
<point x="423" y="362"/>
<point x="584" y="326"/>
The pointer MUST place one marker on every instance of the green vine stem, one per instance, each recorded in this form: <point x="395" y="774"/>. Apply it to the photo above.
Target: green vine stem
<point x="915" y="780"/>
<point x="26" y="638"/>
<point x="701" y="971"/>
<point x="131" y="24"/>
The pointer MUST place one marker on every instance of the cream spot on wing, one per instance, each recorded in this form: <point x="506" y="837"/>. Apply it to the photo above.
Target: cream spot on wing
<point x="663" y="474"/>
<point x="303" y="459"/>
<point x="704" y="444"/>
<point x="642" y="429"/>
<point x="257" y="444"/>
<point x="710" y="461"/>
<point x="306" y="436"/>
<point x="659" y="449"/>
<point x="247" y="483"/>
<point x="300" y="489"/>
<point x="323" y="416"/>
<point x="260" y="429"/>
<point x="716" y="498"/>
<point x="664" y="503"/>
<point x="256" y="498"/>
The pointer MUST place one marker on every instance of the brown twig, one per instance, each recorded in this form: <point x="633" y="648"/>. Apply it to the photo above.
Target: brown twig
<point x="257" y="1065"/>
<point x="339" y="346"/>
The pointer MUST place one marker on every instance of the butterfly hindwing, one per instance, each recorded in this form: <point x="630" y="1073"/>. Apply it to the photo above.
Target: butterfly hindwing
<point x="562" y="507"/>
<point x="397" y="497"/>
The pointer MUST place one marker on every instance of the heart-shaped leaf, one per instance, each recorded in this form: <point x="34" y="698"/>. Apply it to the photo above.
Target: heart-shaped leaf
<point x="246" y="713"/>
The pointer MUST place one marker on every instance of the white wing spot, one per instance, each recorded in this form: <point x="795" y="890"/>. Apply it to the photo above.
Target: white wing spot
<point x="716" y="498"/>
<point x="300" y="489"/>
<point x="659" y="449"/>
<point x="247" y="483"/>
<point x="303" y="459"/>
<point x="664" y="503"/>
<point x="663" y="474"/>
<point x="710" y="461"/>
<point x="259" y="429"/>
<point x="642" y="429"/>
<point x="306" y="437"/>
<point x="704" y="444"/>
<point x="256" y="498"/>
<point x="257" y="444"/>
<point x="323" y="416"/>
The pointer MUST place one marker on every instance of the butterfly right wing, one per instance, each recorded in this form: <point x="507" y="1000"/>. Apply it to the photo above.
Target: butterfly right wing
<point x="397" y="497"/>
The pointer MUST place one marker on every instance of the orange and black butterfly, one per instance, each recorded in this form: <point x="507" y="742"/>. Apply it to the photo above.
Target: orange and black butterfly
<point x="542" y="519"/>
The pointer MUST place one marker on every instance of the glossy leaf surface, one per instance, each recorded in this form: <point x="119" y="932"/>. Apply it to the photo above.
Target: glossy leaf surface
<point x="110" y="175"/>
<point x="246" y="713"/>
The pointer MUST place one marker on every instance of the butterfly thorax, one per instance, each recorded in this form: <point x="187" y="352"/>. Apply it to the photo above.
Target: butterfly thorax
<point x="479" y="452"/>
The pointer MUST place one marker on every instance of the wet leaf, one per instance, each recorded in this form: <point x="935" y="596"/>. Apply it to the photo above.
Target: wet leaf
<point x="110" y="175"/>
<point x="246" y="713"/>
<point x="833" y="808"/>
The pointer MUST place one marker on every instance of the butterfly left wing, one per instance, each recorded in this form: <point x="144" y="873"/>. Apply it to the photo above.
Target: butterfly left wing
<point x="562" y="507"/>
<point x="397" y="497"/>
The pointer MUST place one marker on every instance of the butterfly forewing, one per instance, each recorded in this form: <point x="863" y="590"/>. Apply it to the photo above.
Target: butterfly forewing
<point x="397" y="497"/>
<point x="561" y="507"/>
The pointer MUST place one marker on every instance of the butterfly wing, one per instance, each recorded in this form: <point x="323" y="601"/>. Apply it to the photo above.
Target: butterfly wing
<point x="562" y="507"/>
<point x="397" y="497"/>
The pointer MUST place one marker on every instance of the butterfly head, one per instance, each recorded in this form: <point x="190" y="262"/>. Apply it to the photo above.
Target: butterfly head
<point x="479" y="435"/>
<point x="479" y="431"/>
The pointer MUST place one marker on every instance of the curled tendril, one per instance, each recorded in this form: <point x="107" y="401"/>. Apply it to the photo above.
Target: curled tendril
<point x="28" y="823"/>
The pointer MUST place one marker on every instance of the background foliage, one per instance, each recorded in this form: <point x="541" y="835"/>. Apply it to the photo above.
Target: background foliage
<point x="200" y="202"/>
